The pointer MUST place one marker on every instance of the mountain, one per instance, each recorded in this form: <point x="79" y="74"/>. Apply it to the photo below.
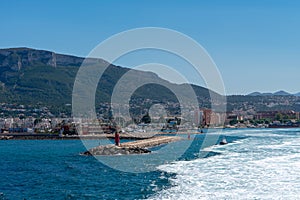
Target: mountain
<point x="278" y="93"/>
<point x="36" y="76"/>
<point x="43" y="78"/>
<point x="297" y="94"/>
<point x="255" y="94"/>
<point x="30" y="76"/>
<point x="282" y="93"/>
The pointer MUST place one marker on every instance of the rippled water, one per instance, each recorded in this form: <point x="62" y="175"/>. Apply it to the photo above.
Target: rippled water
<point x="257" y="164"/>
<point x="49" y="169"/>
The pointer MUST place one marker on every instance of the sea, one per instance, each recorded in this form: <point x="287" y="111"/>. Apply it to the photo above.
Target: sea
<point x="255" y="164"/>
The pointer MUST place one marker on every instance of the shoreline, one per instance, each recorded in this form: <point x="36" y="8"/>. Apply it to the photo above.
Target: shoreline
<point x="20" y="136"/>
<point x="128" y="136"/>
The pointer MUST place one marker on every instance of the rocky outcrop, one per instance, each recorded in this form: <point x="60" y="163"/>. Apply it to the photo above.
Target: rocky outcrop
<point x="115" y="150"/>
<point x="18" y="58"/>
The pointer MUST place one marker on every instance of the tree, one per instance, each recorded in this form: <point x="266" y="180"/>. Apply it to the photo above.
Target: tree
<point x="267" y="121"/>
<point x="178" y="120"/>
<point x="233" y="122"/>
<point x="37" y="121"/>
<point x="146" y="119"/>
<point x="286" y="117"/>
<point x="278" y="116"/>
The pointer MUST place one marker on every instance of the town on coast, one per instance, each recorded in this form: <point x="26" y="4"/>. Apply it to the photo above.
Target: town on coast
<point x="45" y="126"/>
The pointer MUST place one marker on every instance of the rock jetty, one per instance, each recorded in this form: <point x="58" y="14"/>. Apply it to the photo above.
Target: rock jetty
<point x="151" y="142"/>
<point x="115" y="150"/>
<point x="135" y="147"/>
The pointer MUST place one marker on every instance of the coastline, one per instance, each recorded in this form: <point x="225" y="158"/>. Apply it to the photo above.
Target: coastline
<point x="21" y="136"/>
<point x="128" y="136"/>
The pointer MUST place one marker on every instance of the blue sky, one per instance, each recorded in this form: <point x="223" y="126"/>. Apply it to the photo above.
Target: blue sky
<point x="255" y="44"/>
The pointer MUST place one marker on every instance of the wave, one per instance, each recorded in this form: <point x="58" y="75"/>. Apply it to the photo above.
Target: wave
<point x="246" y="169"/>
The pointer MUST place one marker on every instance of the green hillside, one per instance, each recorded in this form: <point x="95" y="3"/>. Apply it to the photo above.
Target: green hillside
<point x="29" y="76"/>
<point x="37" y="77"/>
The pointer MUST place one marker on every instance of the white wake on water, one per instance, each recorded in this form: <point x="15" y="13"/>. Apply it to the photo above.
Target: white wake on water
<point x="258" y="167"/>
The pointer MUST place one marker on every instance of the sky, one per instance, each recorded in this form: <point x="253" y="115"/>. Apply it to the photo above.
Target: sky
<point x="255" y="44"/>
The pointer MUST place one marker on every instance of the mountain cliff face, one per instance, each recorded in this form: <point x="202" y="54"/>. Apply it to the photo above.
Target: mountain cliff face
<point x="18" y="58"/>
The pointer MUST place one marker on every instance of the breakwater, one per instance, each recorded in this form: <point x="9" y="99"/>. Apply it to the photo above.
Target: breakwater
<point x="134" y="147"/>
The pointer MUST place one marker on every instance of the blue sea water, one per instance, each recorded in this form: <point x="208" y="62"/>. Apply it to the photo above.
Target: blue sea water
<point x="256" y="164"/>
<point x="54" y="169"/>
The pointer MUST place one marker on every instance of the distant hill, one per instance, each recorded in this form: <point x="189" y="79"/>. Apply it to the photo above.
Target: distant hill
<point x="297" y="94"/>
<point x="255" y="94"/>
<point x="282" y="93"/>
<point x="278" y="93"/>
